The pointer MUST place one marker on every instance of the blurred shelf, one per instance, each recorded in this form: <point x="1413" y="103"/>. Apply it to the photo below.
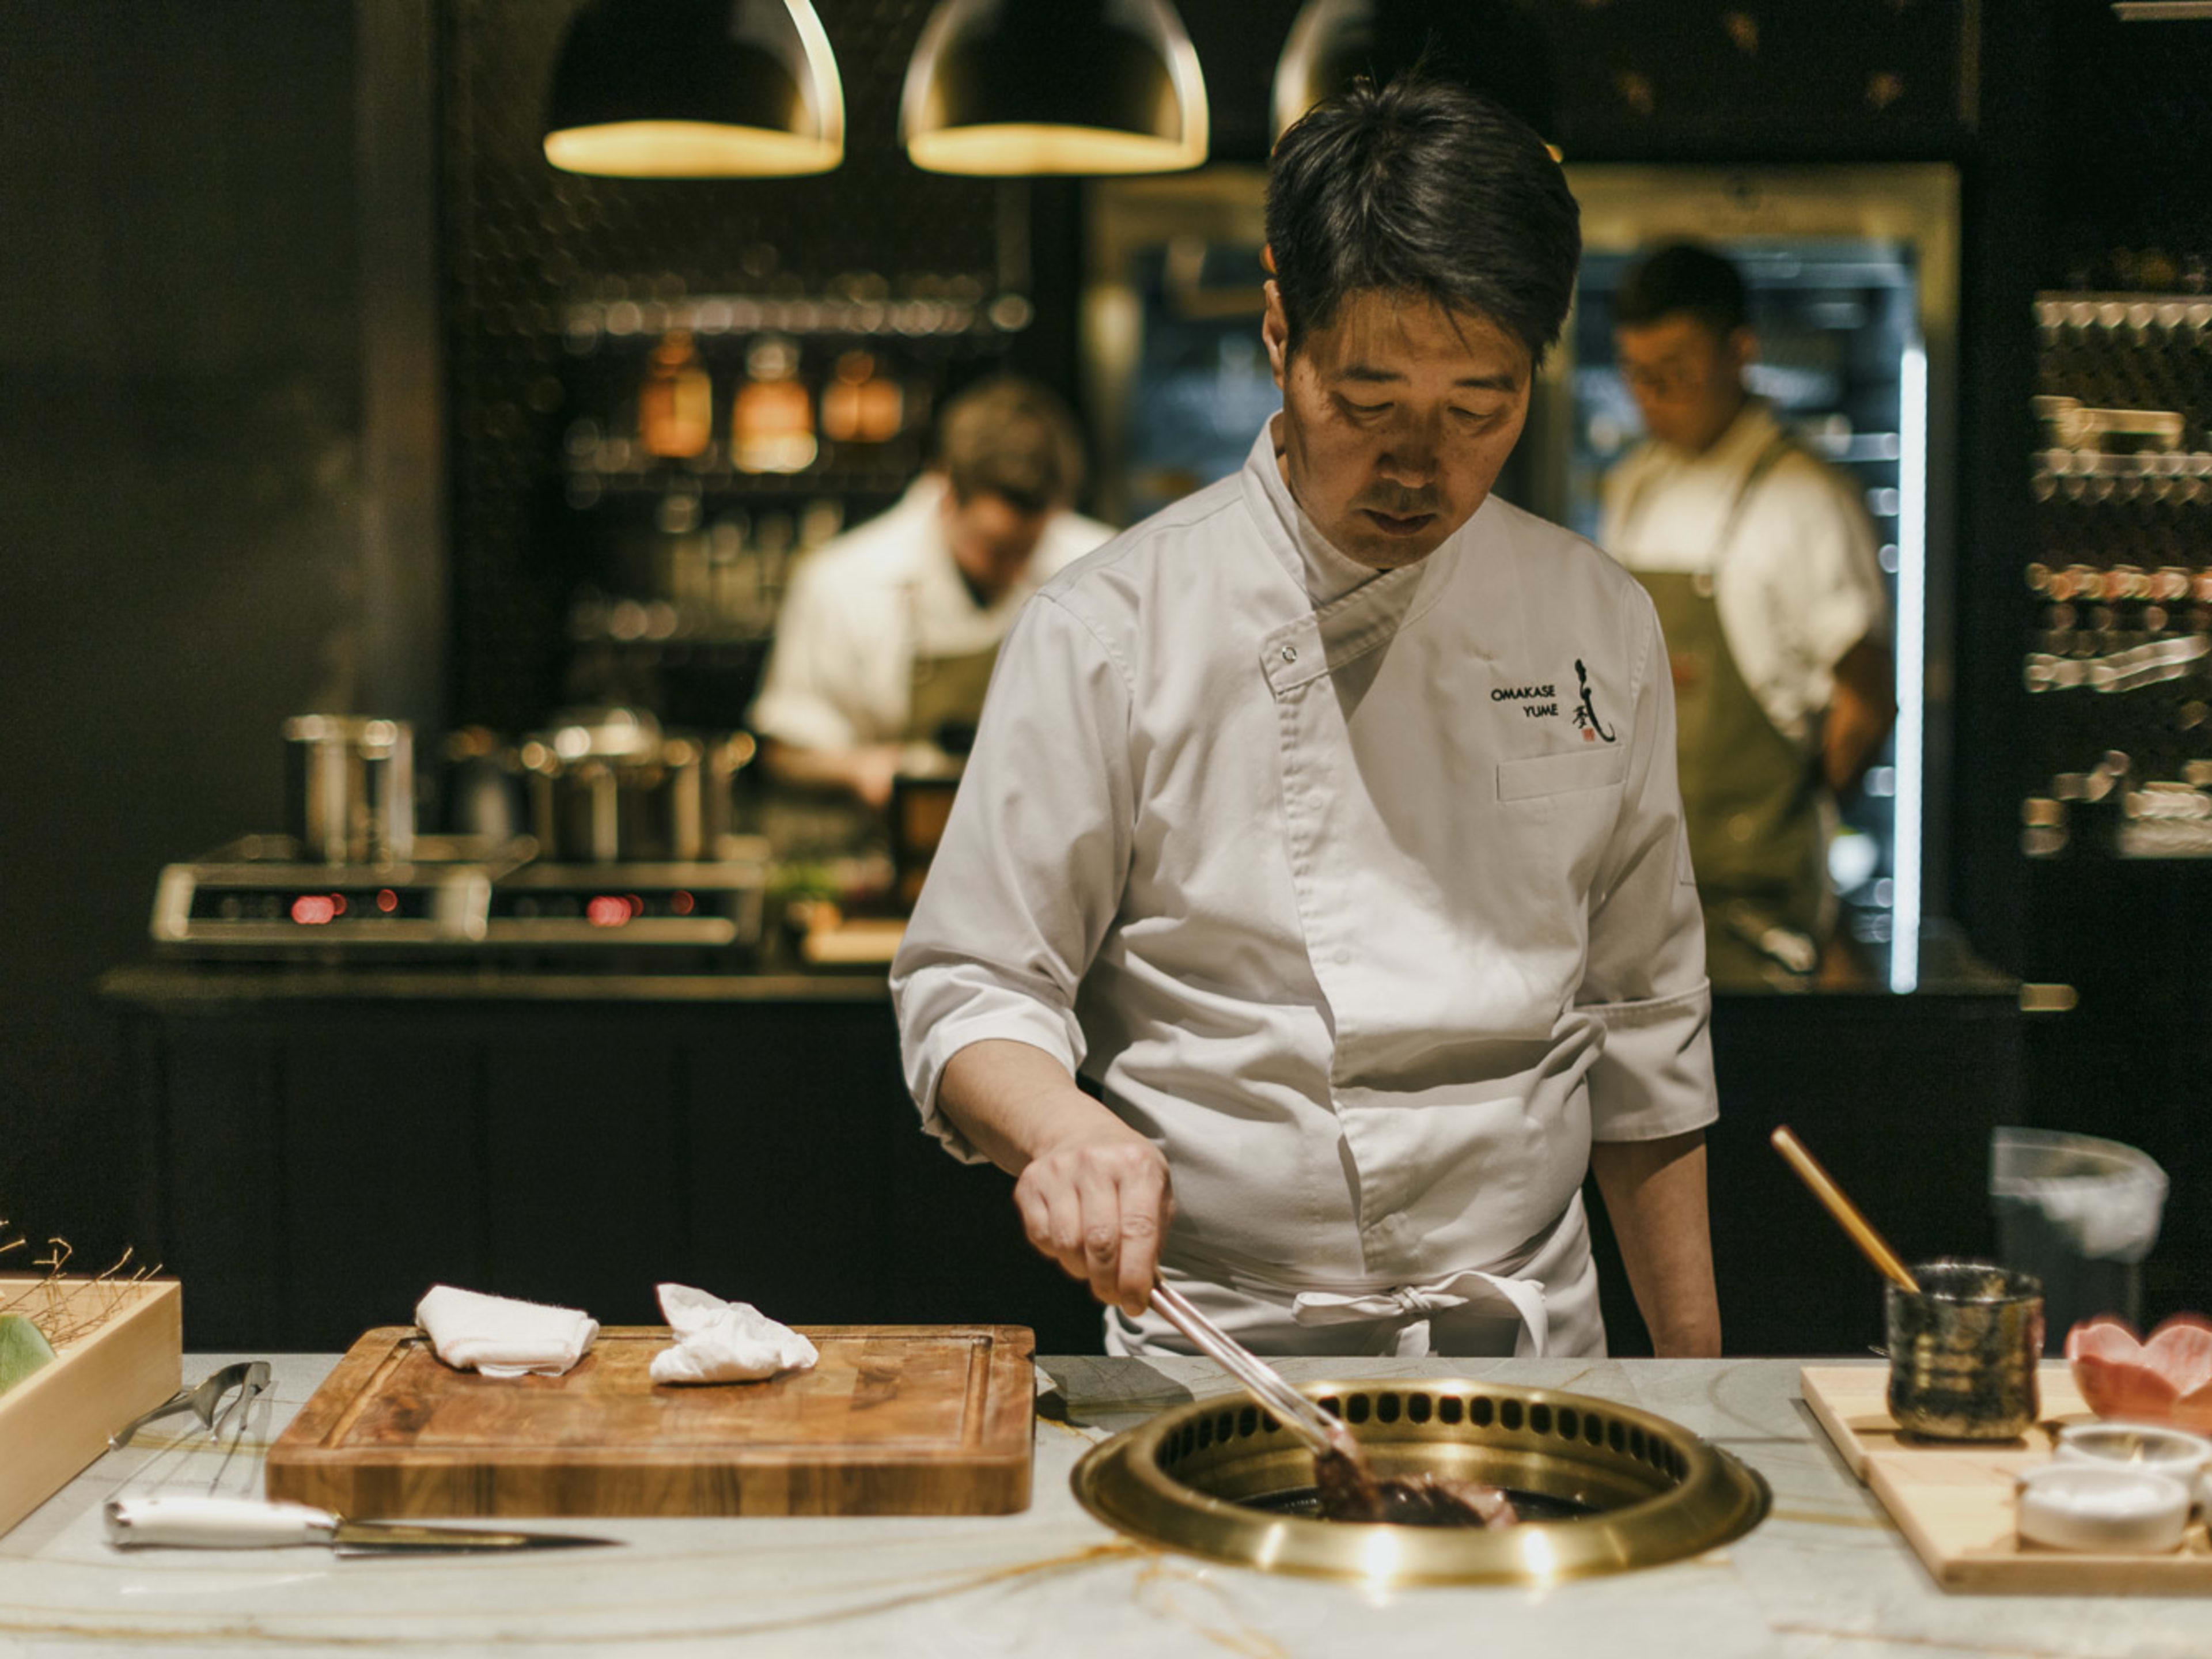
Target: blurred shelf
<point x="676" y="478"/>
<point x="587" y="324"/>
<point x="2190" y="314"/>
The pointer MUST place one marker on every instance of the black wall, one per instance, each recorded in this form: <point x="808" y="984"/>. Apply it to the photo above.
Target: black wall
<point x="179" y="502"/>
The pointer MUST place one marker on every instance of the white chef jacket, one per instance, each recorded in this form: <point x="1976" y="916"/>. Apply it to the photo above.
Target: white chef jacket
<point x="1342" y="905"/>
<point x="862" y="607"/>
<point x="1796" y="584"/>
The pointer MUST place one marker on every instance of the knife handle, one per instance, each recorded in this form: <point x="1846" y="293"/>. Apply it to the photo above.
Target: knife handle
<point x="217" y="1523"/>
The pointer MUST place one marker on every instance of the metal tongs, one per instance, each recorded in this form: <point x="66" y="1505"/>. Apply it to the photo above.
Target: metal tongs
<point x="1347" y="1489"/>
<point x="1324" y="1433"/>
<point x="203" y="1399"/>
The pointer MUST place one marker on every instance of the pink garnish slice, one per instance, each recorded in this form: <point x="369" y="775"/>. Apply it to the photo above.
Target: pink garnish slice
<point x="2166" y="1380"/>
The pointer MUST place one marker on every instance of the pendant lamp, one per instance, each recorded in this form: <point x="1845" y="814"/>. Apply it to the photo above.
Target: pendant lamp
<point x="1023" y="87"/>
<point x="1494" y="47"/>
<point x="695" y="89"/>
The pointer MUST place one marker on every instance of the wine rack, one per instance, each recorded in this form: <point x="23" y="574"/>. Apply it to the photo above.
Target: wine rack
<point x="2118" y="658"/>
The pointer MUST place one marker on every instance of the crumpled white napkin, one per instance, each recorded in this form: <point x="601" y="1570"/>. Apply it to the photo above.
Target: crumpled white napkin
<point x="719" y="1341"/>
<point x="500" y="1336"/>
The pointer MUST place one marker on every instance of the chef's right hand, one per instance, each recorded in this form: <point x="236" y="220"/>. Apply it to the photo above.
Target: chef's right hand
<point x="1098" y="1203"/>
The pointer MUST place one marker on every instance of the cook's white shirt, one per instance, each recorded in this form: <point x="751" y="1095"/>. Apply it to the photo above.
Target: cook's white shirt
<point x="1337" y="902"/>
<point x="1798" y="584"/>
<point x="861" y="608"/>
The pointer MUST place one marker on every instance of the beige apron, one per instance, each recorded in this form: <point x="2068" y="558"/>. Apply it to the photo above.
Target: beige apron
<point x="1750" y="796"/>
<point x="945" y="690"/>
<point x="948" y="692"/>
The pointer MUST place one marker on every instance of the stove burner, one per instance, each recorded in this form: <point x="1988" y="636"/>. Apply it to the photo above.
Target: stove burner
<point x="458" y="897"/>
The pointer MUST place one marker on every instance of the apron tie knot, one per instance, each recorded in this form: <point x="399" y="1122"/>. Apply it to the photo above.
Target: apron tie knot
<point x="1410" y="1307"/>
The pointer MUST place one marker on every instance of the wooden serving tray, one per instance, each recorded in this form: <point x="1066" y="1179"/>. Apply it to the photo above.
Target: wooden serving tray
<point x="1954" y="1500"/>
<point x="56" y="1420"/>
<point x="895" y="1420"/>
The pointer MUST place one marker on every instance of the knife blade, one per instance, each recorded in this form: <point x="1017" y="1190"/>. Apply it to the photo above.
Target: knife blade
<point x="231" y="1523"/>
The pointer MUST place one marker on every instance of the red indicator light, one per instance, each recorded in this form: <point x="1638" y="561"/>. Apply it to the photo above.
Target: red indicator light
<point x="338" y="905"/>
<point x="312" y="909"/>
<point x="386" y="900"/>
<point x="636" y="904"/>
<point x="607" y="911"/>
<point x="682" y="903"/>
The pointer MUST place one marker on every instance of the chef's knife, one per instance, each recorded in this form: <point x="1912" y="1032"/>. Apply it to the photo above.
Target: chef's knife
<point x="232" y="1523"/>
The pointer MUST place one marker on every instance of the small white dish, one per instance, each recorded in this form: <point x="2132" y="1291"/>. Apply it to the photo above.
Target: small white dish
<point x="2137" y="1446"/>
<point x="2107" y="1508"/>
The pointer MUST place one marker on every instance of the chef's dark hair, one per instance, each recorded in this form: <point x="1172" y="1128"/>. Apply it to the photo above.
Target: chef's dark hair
<point x="1682" y="278"/>
<point x="1420" y="187"/>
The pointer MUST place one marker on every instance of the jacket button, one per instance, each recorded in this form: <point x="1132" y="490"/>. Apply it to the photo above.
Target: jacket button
<point x="1290" y="653"/>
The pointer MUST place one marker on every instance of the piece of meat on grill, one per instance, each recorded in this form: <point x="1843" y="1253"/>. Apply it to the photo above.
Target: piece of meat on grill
<point x="1350" y="1490"/>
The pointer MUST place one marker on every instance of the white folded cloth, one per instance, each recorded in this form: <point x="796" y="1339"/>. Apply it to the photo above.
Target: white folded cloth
<point x="500" y="1336"/>
<point x="719" y="1341"/>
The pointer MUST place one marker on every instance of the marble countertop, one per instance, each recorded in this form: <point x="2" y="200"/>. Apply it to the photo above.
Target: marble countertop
<point x="1825" y="1575"/>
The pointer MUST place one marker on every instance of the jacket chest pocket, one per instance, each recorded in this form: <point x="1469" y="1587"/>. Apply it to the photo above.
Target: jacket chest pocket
<point x="1562" y="808"/>
<point x="1542" y="776"/>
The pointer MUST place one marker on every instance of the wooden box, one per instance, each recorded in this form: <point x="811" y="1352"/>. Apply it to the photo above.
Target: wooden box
<point x="56" y="1420"/>
<point x="894" y="1420"/>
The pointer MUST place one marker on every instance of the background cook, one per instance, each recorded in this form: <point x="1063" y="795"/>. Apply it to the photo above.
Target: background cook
<point x="887" y="636"/>
<point x="1361" y="958"/>
<point x="1762" y="560"/>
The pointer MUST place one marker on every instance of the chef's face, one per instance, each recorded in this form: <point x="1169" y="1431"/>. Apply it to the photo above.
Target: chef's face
<point x="1686" y="377"/>
<point x="991" y="539"/>
<point x="1396" y="419"/>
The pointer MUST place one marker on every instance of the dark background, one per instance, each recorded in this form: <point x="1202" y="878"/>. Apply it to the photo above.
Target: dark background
<point x="229" y="492"/>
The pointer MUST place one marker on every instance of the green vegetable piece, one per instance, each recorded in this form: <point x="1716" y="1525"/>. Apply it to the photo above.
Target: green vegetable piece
<point x="23" y="1349"/>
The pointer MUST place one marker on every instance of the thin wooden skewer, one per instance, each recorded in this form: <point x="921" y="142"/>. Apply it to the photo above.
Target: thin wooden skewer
<point x="1846" y="1213"/>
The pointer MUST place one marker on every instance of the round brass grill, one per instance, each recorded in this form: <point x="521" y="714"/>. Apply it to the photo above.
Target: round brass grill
<point x="1606" y="1487"/>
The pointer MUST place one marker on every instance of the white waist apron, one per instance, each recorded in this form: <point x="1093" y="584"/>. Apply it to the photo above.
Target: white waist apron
<point x="1544" y="1305"/>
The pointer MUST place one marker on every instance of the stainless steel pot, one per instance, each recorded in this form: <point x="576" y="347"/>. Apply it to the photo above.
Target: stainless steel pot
<point x="350" y="789"/>
<point x="671" y="802"/>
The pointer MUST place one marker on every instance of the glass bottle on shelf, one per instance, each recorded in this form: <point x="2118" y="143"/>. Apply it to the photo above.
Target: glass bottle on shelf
<point x="861" y="404"/>
<point x="675" y="404"/>
<point x="681" y="568"/>
<point x="772" y="418"/>
<point x="773" y="534"/>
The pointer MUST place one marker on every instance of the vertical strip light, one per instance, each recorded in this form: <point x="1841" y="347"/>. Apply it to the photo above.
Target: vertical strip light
<point x="1911" y="664"/>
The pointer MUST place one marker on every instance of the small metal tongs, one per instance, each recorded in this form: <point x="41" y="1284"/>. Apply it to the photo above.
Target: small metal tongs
<point x="202" y="1399"/>
<point x="1302" y="1416"/>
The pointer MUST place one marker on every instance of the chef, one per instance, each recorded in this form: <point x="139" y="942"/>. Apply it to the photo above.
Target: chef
<point x="1762" y="560"/>
<point x="886" y="638"/>
<point x="1326" y="825"/>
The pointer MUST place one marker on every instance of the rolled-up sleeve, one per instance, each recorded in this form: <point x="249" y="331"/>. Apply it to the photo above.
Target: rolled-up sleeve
<point x="1644" y="980"/>
<point x="1030" y="873"/>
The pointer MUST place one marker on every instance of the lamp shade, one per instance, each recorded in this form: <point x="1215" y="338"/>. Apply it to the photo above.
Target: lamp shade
<point x="1494" y="47"/>
<point x="695" y="89"/>
<point x="1016" y="87"/>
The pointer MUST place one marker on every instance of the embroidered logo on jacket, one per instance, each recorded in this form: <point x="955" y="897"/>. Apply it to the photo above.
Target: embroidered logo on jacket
<point x="1537" y="702"/>
<point x="1586" y="720"/>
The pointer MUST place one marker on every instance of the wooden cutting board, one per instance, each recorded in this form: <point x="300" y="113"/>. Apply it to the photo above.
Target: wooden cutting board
<point x="1953" y="1501"/>
<point x="895" y="1420"/>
